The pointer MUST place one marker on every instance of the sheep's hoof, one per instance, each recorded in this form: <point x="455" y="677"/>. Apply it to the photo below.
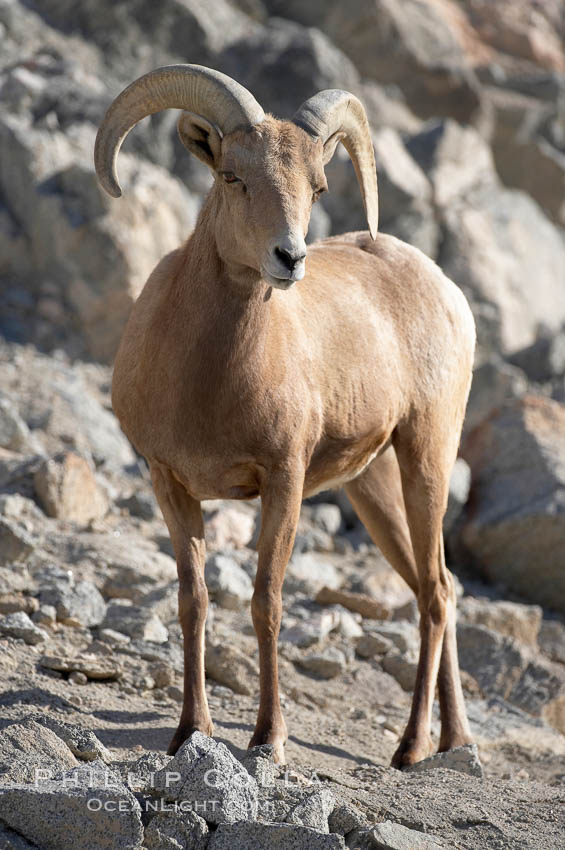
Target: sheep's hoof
<point x="183" y="733"/>
<point x="276" y="737"/>
<point x="410" y="750"/>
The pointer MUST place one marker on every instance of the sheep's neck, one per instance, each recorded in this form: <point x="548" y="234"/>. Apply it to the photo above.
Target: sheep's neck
<point x="227" y="302"/>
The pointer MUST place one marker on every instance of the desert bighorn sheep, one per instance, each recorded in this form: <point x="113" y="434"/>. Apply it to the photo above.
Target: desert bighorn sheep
<point x="233" y="381"/>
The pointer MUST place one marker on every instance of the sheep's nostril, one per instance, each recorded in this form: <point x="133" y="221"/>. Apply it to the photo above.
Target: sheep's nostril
<point x="287" y="259"/>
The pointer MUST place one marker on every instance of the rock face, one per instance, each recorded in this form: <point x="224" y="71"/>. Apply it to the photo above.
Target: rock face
<point x="414" y="46"/>
<point x="284" y="64"/>
<point x="514" y="521"/>
<point x="97" y="276"/>
<point x="490" y="258"/>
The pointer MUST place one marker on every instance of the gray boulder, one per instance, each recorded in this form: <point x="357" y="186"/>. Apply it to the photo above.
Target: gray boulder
<point x="82" y="742"/>
<point x="551" y="640"/>
<point x="284" y="64"/>
<point x="176" y="831"/>
<point x="30" y="751"/>
<point x="327" y="517"/>
<point x="186" y="31"/>
<point x="521" y="622"/>
<point x="327" y="664"/>
<point x="95" y="667"/>
<point x="68" y="224"/>
<point x="402" y="667"/>
<point x="16" y="474"/>
<point x="65" y="410"/>
<point x="313" y="810"/>
<point x="505" y="668"/>
<point x="513" y="523"/>
<point x="16" y="543"/>
<point x="275" y="836"/>
<point x="308" y="572"/>
<point x="14" y="432"/>
<point x="494" y="383"/>
<point x="345" y="818"/>
<point x="495" y="662"/>
<point x="140" y="504"/>
<point x="136" y="622"/>
<point x="19" y="625"/>
<point x="228" y="665"/>
<point x="311" y="629"/>
<point x="492" y="250"/>
<point x="524" y="158"/>
<point x="372" y="643"/>
<point x="228" y="584"/>
<point x="404" y="636"/>
<point x="413" y="46"/>
<point x="132" y="563"/>
<point x="206" y="776"/>
<point x="67" y="489"/>
<point x="10" y="840"/>
<point x="81" y="602"/>
<point x="540" y="691"/>
<point x="259" y="763"/>
<point x="454" y="159"/>
<point x="393" y="836"/>
<point x="544" y="359"/>
<point x="65" y="813"/>
<point x="463" y="759"/>
<point x="229" y="526"/>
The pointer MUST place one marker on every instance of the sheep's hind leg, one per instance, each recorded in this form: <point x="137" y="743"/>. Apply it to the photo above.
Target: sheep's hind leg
<point x="184" y="521"/>
<point x="425" y="468"/>
<point x="378" y="500"/>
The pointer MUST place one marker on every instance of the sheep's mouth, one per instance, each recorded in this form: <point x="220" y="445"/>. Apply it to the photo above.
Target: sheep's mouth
<point x="283" y="283"/>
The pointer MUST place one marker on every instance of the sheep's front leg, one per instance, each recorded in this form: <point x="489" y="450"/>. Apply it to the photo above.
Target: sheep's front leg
<point x="280" y="509"/>
<point x="184" y="520"/>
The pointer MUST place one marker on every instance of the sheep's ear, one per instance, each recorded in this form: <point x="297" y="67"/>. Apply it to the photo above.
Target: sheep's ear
<point x="331" y="144"/>
<point x="200" y="138"/>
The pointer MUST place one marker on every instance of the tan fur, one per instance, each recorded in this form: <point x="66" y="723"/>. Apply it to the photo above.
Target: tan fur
<point x="359" y="372"/>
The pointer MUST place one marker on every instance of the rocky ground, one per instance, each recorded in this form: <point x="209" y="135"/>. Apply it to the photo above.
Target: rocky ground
<point x="466" y="104"/>
<point x="90" y="642"/>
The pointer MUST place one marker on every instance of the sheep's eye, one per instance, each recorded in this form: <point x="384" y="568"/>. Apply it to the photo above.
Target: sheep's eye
<point x="230" y="177"/>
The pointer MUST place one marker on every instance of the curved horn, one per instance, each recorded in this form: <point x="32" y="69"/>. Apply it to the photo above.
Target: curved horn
<point x="204" y="91"/>
<point x="332" y="111"/>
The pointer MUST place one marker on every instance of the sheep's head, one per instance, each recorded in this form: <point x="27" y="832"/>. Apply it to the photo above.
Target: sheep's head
<point x="267" y="178"/>
<point x="268" y="173"/>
